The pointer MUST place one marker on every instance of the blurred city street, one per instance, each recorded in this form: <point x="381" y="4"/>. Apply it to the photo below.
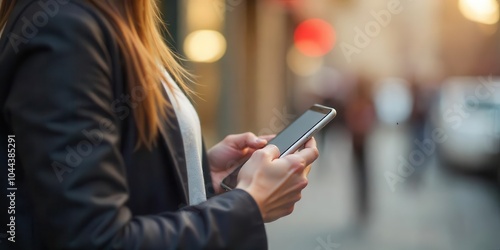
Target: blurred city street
<point x="435" y="208"/>
<point x="412" y="160"/>
<point x="396" y="71"/>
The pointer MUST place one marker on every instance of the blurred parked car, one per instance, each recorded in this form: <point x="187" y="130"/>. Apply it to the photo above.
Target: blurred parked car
<point x="468" y="113"/>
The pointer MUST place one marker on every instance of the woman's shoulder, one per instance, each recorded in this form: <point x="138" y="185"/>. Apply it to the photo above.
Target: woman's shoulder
<point x="56" y="12"/>
<point x="36" y="20"/>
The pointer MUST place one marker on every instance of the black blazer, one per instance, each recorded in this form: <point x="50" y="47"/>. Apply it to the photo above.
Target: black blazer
<point x="79" y="182"/>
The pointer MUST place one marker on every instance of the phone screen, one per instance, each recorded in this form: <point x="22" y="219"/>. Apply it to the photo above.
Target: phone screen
<point x="289" y="137"/>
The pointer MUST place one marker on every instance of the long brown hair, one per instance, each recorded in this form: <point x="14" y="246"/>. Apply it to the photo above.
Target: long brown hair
<point x="5" y="8"/>
<point x="138" y="28"/>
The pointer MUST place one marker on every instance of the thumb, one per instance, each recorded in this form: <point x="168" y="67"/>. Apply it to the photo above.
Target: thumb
<point x="269" y="153"/>
<point x="245" y="140"/>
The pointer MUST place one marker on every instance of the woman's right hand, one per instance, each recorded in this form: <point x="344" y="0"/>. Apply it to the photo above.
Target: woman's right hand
<point x="276" y="183"/>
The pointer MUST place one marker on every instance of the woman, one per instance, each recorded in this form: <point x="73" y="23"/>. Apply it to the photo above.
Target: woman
<point x="108" y="149"/>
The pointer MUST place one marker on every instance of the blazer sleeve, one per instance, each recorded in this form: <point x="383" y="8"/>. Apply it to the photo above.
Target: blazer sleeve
<point x="61" y="92"/>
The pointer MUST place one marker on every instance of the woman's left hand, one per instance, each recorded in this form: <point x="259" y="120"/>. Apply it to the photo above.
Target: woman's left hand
<point x="231" y="152"/>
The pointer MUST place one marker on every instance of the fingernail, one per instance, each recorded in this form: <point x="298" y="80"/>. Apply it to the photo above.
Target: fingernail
<point x="260" y="140"/>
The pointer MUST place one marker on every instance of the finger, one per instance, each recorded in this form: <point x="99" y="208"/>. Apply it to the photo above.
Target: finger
<point x="251" y="140"/>
<point x="309" y="154"/>
<point x="293" y="162"/>
<point x="269" y="152"/>
<point x="308" y="144"/>
<point x="267" y="137"/>
<point x="249" y="152"/>
<point x="311" y="143"/>
<point x="242" y="141"/>
<point x="307" y="170"/>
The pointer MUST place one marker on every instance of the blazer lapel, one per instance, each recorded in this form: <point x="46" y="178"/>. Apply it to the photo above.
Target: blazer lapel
<point x="209" y="188"/>
<point x="172" y="137"/>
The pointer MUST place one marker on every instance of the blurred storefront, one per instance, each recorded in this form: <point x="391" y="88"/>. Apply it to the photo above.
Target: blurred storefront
<point x="251" y="63"/>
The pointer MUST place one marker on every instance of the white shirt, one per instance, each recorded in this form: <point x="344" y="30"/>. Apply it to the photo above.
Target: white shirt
<point x="191" y="137"/>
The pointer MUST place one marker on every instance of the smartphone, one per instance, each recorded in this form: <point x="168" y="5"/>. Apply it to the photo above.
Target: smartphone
<point x="292" y="137"/>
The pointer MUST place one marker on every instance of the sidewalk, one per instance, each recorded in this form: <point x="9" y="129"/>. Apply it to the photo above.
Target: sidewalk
<point x="441" y="211"/>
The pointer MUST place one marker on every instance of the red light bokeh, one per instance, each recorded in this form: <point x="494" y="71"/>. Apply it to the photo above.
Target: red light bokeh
<point x="314" y="37"/>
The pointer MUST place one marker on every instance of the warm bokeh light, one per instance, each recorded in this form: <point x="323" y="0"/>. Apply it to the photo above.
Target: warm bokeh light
<point x="205" y="46"/>
<point x="303" y="65"/>
<point x="481" y="11"/>
<point x="203" y="14"/>
<point x="314" y="37"/>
